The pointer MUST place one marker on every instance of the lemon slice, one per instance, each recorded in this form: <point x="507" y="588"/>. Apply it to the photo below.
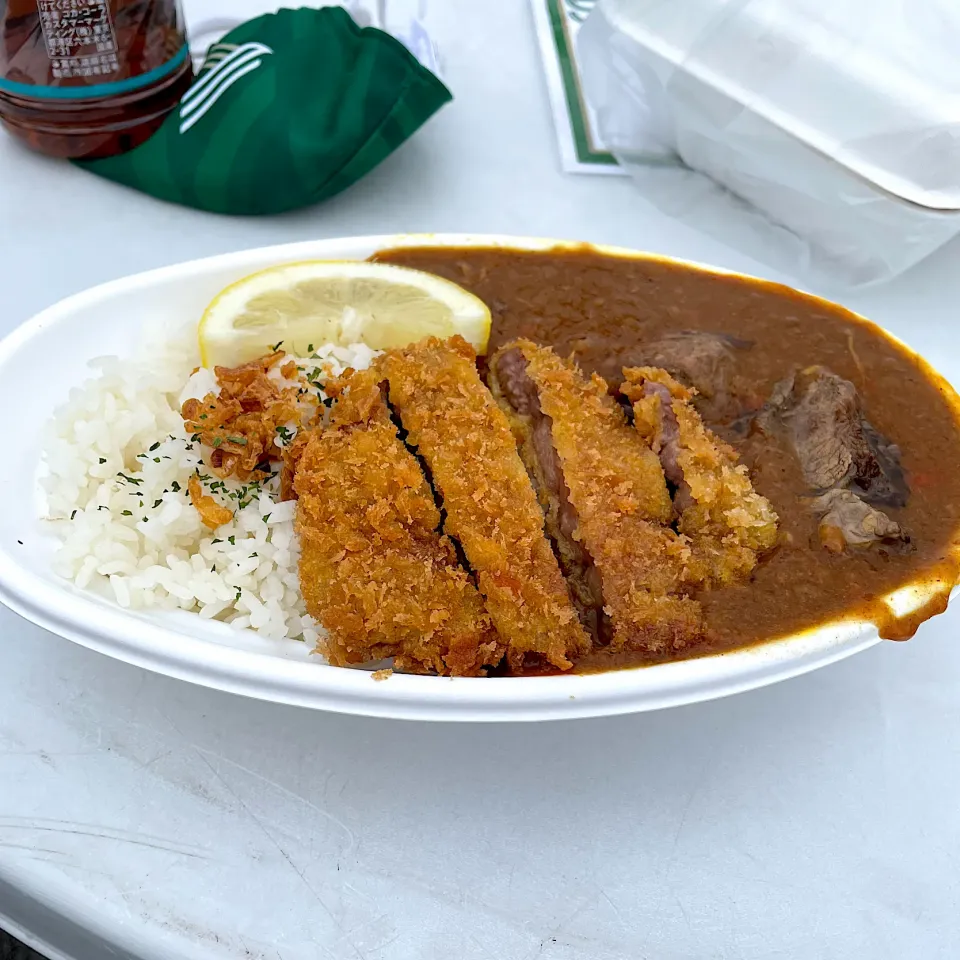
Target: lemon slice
<point x="302" y="305"/>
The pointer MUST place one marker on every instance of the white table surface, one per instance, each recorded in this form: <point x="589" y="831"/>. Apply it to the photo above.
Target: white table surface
<point x="142" y="817"/>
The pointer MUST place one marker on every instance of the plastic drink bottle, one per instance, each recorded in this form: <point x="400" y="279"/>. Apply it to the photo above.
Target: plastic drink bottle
<point x="90" y="78"/>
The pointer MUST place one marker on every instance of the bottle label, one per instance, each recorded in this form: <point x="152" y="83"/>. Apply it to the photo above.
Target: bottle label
<point x="80" y="38"/>
<point x="85" y="58"/>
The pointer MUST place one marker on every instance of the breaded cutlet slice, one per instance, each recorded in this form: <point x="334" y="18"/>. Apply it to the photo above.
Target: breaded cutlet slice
<point x="606" y="501"/>
<point x="373" y="568"/>
<point x="729" y="524"/>
<point x="490" y="507"/>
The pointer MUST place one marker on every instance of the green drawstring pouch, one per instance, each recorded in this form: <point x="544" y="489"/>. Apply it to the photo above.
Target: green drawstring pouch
<point x="287" y="110"/>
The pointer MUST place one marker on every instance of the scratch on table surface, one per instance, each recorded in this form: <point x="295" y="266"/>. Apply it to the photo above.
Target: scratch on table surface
<point x="387" y="943"/>
<point x="160" y="756"/>
<point x="554" y="933"/>
<point x="326" y="814"/>
<point x="29" y="847"/>
<point x="207" y="755"/>
<point x="283" y="853"/>
<point x="473" y="939"/>
<point x="325" y="789"/>
<point x="703" y="775"/>
<point x="100" y="832"/>
<point x="56" y="857"/>
<point x="683" y="913"/>
<point x="371" y="928"/>
<point x="379" y="924"/>
<point x="691" y="796"/>
<point x="616" y="909"/>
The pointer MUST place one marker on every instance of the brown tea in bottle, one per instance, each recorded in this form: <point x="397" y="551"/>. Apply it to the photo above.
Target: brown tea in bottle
<point x="90" y="78"/>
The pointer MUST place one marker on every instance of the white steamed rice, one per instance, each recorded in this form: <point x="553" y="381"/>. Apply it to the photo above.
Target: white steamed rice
<point x="118" y="462"/>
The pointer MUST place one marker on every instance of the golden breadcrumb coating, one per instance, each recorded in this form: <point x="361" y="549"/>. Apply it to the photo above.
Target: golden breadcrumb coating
<point x="373" y="569"/>
<point x="617" y="488"/>
<point x="729" y="524"/>
<point x="490" y="506"/>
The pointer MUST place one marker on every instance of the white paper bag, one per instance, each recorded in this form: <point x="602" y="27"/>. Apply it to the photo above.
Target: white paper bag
<point x="822" y="138"/>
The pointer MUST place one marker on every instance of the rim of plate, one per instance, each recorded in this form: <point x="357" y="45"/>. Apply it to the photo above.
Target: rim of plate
<point x="135" y="639"/>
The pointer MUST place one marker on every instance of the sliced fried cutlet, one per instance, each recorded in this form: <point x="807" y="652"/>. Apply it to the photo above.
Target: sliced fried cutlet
<point x="490" y="507"/>
<point x="516" y="394"/>
<point x="729" y="524"/>
<point x="373" y="568"/>
<point x="606" y="501"/>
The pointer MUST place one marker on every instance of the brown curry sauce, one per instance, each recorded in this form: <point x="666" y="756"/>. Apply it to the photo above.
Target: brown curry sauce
<point x="592" y="305"/>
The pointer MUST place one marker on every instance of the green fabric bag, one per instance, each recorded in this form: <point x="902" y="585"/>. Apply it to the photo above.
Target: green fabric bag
<point x="287" y="110"/>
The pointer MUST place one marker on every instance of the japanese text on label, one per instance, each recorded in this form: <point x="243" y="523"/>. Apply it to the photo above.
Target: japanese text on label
<point x="80" y="38"/>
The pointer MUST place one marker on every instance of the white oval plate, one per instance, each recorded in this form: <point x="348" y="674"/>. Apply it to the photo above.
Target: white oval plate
<point x="39" y="363"/>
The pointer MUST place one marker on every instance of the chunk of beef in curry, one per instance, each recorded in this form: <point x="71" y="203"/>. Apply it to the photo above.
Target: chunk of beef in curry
<point x="601" y="309"/>
<point x="700" y="359"/>
<point x="835" y="443"/>
<point x="851" y="467"/>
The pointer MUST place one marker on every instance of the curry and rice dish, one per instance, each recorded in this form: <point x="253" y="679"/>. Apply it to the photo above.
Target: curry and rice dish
<point x="650" y="463"/>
